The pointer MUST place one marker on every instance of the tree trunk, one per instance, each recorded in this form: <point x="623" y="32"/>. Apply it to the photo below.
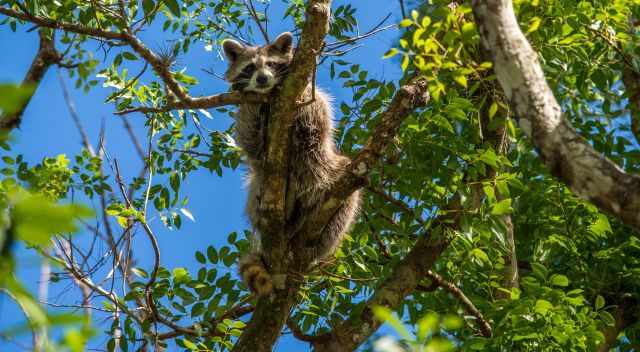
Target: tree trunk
<point x="268" y="320"/>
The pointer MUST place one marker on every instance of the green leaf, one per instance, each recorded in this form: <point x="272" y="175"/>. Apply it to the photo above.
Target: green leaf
<point x="173" y="6"/>
<point x="75" y="340"/>
<point x="460" y="79"/>
<point x="478" y="344"/>
<point x="147" y="6"/>
<point x="427" y="325"/>
<point x="543" y="306"/>
<point x="406" y="23"/>
<point x="212" y="254"/>
<point x="122" y="221"/>
<point x="607" y="318"/>
<point x="534" y="24"/>
<point x="493" y="109"/>
<point x="452" y="322"/>
<point x="481" y="255"/>
<point x="601" y="226"/>
<point x="36" y="219"/>
<point x="540" y="270"/>
<point x="13" y="97"/>
<point x="197" y="309"/>
<point x="181" y="275"/>
<point x="391" y="53"/>
<point x="559" y="280"/>
<point x="530" y="336"/>
<point x="405" y="62"/>
<point x="426" y="21"/>
<point x="599" y="302"/>
<point x="190" y="345"/>
<point x="489" y="157"/>
<point x="140" y="272"/>
<point x="502" y="207"/>
<point x="129" y="56"/>
<point x="200" y="257"/>
<point x="384" y="314"/>
<point x="414" y="15"/>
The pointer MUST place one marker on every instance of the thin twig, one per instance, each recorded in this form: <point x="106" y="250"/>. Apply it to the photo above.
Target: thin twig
<point x="254" y="14"/>
<point x="341" y="277"/>
<point x="134" y="139"/>
<point x="485" y="327"/>
<point x="338" y="44"/>
<point x="299" y="334"/>
<point x="235" y="312"/>
<point x="149" y="165"/>
<point x="74" y="115"/>
<point x="398" y="203"/>
<point x="192" y="152"/>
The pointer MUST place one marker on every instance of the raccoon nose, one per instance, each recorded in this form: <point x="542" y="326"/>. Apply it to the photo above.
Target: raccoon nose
<point x="262" y="79"/>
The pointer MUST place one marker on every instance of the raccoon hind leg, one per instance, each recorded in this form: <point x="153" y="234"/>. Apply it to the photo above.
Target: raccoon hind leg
<point x="255" y="275"/>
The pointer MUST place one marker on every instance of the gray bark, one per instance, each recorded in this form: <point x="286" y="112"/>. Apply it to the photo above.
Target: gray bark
<point x="569" y="157"/>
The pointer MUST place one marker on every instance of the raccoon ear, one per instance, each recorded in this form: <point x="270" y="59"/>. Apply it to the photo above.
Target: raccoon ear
<point x="232" y="49"/>
<point x="283" y="43"/>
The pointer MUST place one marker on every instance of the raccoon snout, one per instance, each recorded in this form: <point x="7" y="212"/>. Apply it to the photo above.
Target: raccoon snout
<point x="262" y="79"/>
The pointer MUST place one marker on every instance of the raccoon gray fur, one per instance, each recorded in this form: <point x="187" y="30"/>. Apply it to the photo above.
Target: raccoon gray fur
<point x="314" y="162"/>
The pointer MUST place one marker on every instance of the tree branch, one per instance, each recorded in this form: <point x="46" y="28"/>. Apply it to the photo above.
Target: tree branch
<point x="69" y="27"/>
<point x="272" y="313"/>
<point x="404" y="279"/>
<point x="233" y="313"/>
<point x="266" y="323"/>
<point x="45" y="58"/>
<point x="485" y="327"/>
<point x="568" y="156"/>
<point x="162" y="69"/>
<point x="205" y="102"/>
<point x="284" y="108"/>
<point x="299" y="334"/>
<point x="631" y="80"/>
<point x="407" y="99"/>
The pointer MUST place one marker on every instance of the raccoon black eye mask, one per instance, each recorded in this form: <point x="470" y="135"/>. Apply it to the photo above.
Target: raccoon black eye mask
<point x="258" y="69"/>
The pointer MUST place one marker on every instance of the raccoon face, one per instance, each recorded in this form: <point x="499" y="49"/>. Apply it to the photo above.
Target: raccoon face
<point x="258" y="68"/>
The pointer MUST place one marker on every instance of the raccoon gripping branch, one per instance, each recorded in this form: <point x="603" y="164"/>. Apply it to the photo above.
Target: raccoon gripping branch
<point x="255" y="275"/>
<point x="284" y="109"/>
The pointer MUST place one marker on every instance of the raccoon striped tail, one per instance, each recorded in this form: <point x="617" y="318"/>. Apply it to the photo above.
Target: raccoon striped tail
<point x="255" y="275"/>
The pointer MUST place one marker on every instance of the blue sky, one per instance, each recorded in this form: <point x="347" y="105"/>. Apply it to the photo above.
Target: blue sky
<point x="216" y="202"/>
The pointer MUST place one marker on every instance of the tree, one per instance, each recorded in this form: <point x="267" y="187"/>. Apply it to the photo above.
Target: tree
<point x="478" y="234"/>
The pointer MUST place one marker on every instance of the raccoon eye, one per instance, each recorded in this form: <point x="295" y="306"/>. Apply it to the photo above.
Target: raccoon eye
<point x="249" y="69"/>
<point x="277" y="66"/>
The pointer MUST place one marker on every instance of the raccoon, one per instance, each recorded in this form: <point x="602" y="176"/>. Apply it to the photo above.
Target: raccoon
<point x="314" y="161"/>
